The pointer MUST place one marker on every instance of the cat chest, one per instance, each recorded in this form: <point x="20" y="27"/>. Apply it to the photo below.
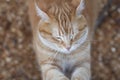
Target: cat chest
<point x="67" y="64"/>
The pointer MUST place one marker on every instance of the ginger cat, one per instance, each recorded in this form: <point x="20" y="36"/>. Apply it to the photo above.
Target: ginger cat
<point x="61" y="37"/>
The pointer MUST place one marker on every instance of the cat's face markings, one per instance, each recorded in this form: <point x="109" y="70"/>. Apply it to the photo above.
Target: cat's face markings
<point x="59" y="38"/>
<point x="50" y="35"/>
<point x="65" y="42"/>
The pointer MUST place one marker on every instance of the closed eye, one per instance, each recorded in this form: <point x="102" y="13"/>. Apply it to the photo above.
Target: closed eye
<point x="58" y="38"/>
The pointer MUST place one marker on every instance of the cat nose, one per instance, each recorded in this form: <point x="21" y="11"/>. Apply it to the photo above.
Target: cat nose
<point x="68" y="48"/>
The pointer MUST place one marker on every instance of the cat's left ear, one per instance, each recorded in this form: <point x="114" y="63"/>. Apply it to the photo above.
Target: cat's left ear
<point x="80" y="8"/>
<point x="41" y="14"/>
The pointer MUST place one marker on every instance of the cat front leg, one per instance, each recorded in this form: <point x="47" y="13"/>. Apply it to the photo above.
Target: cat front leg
<point x="50" y="72"/>
<point x="82" y="72"/>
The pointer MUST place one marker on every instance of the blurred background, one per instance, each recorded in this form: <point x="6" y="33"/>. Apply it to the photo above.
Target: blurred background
<point x="17" y="58"/>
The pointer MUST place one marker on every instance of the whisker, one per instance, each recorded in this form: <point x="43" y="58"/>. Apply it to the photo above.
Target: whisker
<point x="50" y="58"/>
<point x="53" y="57"/>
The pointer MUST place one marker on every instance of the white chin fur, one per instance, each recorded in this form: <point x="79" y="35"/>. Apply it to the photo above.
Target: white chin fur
<point x="64" y="51"/>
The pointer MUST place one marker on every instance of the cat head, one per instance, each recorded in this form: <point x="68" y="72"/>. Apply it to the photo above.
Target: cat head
<point x="65" y="31"/>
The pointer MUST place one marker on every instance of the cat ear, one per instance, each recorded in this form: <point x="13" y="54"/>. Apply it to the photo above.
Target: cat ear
<point x="41" y="13"/>
<point x="80" y="8"/>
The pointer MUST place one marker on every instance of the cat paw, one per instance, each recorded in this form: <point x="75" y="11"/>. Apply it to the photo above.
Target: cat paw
<point x="64" y="78"/>
<point x="76" y="77"/>
<point x="60" y="78"/>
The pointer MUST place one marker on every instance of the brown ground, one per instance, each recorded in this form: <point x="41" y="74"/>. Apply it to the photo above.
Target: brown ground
<point x="17" y="58"/>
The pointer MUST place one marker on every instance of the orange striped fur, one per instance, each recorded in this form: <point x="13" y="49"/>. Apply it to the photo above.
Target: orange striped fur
<point x="61" y="37"/>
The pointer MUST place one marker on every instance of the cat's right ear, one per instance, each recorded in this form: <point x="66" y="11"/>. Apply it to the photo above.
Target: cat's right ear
<point x="80" y="8"/>
<point x="79" y="5"/>
<point x="41" y="14"/>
